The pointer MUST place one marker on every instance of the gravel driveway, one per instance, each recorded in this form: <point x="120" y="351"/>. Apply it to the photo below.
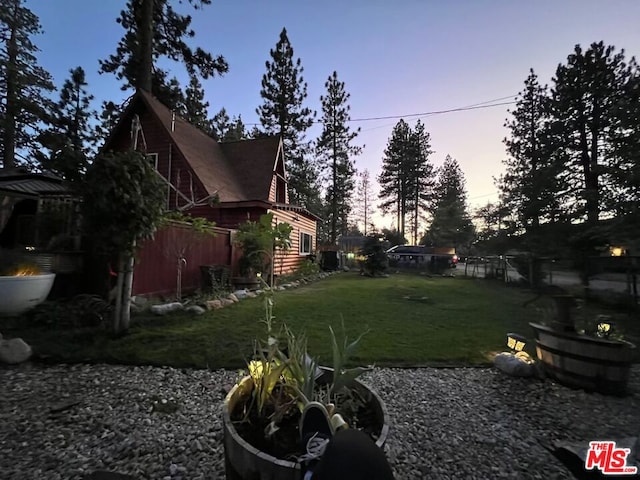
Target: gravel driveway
<point x="61" y="422"/>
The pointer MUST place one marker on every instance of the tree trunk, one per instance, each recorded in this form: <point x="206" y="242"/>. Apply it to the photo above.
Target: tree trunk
<point x="535" y="219"/>
<point x="589" y="174"/>
<point x="366" y="206"/>
<point x="9" y="137"/>
<point x="145" y="35"/>
<point x="125" y="319"/>
<point x="117" y="314"/>
<point x="334" y="202"/>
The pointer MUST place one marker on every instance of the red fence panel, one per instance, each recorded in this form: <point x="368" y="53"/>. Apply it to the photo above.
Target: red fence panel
<point x="156" y="266"/>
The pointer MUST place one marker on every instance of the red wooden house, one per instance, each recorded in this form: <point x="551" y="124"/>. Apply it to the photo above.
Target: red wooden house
<point x="227" y="183"/>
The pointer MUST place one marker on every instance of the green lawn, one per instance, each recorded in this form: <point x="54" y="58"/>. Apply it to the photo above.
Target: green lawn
<point x="411" y="320"/>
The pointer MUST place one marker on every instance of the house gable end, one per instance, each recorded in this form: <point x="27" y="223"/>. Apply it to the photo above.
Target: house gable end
<point x="153" y="138"/>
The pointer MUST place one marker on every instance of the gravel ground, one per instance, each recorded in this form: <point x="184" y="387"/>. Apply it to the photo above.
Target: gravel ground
<point x="61" y="422"/>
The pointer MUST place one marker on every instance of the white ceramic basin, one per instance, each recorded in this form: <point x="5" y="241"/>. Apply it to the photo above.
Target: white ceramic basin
<point x="19" y="294"/>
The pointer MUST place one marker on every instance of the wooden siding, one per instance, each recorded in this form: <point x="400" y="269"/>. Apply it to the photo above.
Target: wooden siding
<point x="156" y="264"/>
<point x="272" y="189"/>
<point x="287" y="262"/>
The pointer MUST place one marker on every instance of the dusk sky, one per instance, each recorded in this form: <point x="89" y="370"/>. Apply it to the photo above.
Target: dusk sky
<point x="397" y="57"/>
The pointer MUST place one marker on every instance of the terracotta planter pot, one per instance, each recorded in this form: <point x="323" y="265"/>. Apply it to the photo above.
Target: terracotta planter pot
<point x="585" y="362"/>
<point x="245" y="462"/>
<point x="21" y="293"/>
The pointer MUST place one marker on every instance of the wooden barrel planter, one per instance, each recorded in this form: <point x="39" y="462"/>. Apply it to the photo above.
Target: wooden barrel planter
<point x="245" y="462"/>
<point x="581" y="361"/>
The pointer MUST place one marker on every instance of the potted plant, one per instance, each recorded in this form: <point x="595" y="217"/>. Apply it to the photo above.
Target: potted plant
<point x="262" y="411"/>
<point x="585" y="358"/>
<point x="22" y="285"/>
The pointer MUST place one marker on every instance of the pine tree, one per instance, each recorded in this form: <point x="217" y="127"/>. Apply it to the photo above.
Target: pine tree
<point x="531" y="186"/>
<point x="585" y="96"/>
<point x="108" y="118"/>
<point x="363" y="206"/>
<point x="420" y="178"/>
<point x="23" y="84"/>
<point x="196" y="108"/>
<point x="282" y="113"/>
<point x="153" y="30"/>
<point x="335" y="151"/>
<point x="392" y="179"/>
<point x="237" y="130"/>
<point x="451" y="224"/>
<point x="71" y="140"/>
<point x="225" y="129"/>
<point x="407" y="179"/>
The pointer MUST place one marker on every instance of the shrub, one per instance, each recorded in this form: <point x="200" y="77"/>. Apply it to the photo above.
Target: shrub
<point x="376" y="262"/>
<point x="80" y="311"/>
<point x="307" y="268"/>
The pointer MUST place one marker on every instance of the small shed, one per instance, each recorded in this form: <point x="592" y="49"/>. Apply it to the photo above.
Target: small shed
<point x="38" y="211"/>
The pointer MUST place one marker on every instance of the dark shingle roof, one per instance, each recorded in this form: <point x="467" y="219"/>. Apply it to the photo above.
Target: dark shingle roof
<point x="33" y="184"/>
<point x="201" y="152"/>
<point x="254" y="161"/>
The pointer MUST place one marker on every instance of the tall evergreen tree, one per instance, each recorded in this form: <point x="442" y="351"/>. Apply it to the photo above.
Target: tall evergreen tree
<point x="23" y="85"/>
<point x="363" y="206"/>
<point x="531" y="185"/>
<point x="335" y="150"/>
<point x="153" y="29"/>
<point x="392" y="179"/>
<point x="420" y="178"/>
<point x="406" y="179"/>
<point x="195" y="106"/>
<point x="451" y="224"/>
<point x="71" y="140"/>
<point x="282" y="113"/>
<point x="586" y="94"/>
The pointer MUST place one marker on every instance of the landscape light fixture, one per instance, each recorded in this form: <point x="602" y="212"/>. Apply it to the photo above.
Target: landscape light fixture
<point x="604" y="328"/>
<point x="517" y="343"/>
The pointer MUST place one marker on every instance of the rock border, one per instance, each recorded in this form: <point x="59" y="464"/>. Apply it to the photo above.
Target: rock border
<point x="232" y="298"/>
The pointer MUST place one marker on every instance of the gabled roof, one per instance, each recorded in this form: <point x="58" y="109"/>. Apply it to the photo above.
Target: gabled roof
<point x="237" y="172"/>
<point x="201" y="152"/>
<point x="254" y="161"/>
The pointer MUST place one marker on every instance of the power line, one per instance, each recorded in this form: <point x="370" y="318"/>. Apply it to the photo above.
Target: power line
<point x="434" y="112"/>
<point x="460" y="108"/>
<point x="485" y="195"/>
<point x="475" y="106"/>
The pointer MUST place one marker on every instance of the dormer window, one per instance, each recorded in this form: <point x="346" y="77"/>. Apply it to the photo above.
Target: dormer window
<point x="281" y="190"/>
<point x="152" y="158"/>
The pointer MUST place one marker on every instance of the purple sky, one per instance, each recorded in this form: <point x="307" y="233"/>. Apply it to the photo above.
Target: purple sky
<point x="397" y="57"/>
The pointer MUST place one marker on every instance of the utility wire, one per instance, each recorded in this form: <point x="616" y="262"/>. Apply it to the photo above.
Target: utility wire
<point x="475" y="106"/>
<point x="434" y="112"/>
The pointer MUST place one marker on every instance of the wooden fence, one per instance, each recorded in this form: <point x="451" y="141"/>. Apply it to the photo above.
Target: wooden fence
<point x="156" y="270"/>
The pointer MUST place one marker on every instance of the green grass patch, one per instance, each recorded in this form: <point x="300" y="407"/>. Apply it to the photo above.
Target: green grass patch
<point x="410" y="319"/>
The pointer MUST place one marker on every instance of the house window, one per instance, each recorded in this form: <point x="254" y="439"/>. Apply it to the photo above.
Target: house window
<point x="152" y="158"/>
<point x="306" y="241"/>
<point x="281" y="190"/>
